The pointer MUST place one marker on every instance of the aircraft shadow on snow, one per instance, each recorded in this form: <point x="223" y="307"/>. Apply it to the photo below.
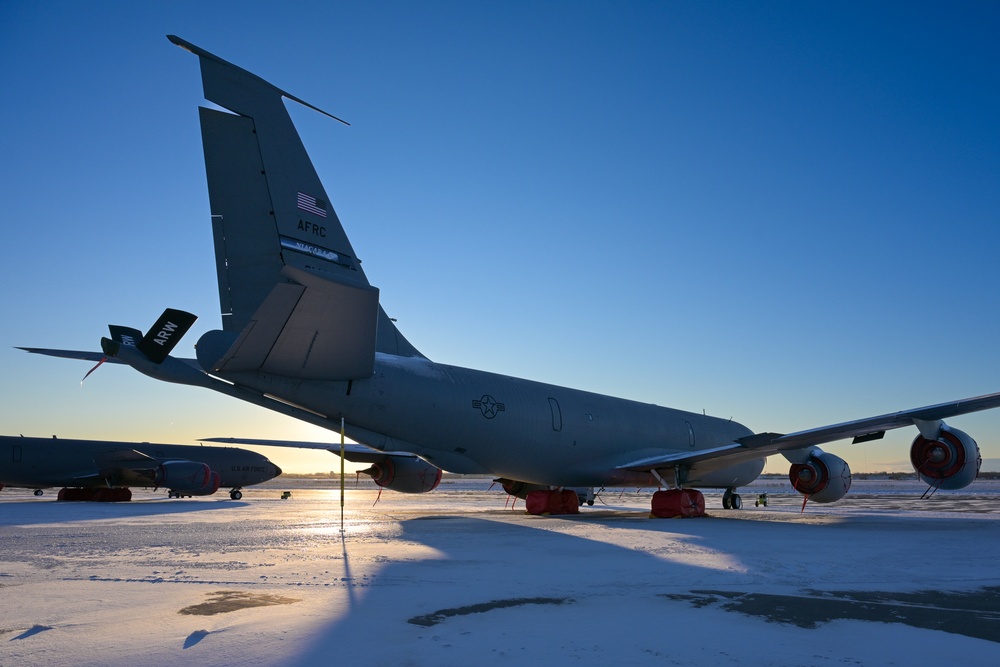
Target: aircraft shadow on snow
<point x="559" y="570"/>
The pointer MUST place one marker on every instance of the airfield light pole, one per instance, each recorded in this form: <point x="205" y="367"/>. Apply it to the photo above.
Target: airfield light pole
<point x="341" y="473"/>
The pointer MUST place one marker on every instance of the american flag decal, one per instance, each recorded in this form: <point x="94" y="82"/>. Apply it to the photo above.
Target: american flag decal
<point x="310" y="204"/>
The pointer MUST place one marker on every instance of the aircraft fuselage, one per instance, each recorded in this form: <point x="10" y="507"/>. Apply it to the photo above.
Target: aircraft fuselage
<point x="48" y="462"/>
<point x="469" y="421"/>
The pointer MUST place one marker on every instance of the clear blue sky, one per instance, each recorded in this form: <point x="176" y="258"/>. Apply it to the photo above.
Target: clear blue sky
<point x="783" y="212"/>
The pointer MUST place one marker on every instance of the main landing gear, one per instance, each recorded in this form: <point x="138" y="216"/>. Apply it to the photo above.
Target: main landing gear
<point x="731" y="500"/>
<point x="235" y="494"/>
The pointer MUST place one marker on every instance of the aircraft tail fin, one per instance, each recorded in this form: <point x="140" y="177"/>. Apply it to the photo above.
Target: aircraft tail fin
<point x="287" y="272"/>
<point x="124" y="335"/>
<point x="158" y="342"/>
<point x="165" y="333"/>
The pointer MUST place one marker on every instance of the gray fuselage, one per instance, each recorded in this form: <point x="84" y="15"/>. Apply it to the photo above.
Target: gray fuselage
<point x="38" y="463"/>
<point x="468" y="421"/>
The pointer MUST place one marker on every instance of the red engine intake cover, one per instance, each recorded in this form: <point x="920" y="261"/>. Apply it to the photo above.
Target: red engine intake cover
<point x="950" y="462"/>
<point x="681" y="503"/>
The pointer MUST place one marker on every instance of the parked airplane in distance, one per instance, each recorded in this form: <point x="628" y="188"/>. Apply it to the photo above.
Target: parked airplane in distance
<point x="303" y="334"/>
<point x="103" y="470"/>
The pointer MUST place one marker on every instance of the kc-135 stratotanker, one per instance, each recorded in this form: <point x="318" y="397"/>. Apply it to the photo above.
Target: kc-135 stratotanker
<point x="103" y="470"/>
<point x="303" y="334"/>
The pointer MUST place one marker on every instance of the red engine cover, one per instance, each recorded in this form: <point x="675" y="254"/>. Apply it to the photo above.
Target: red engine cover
<point x="100" y="495"/>
<point x="824" y="478"/>
<point x="678" y="503"/>
<point x="190" y="478"/>
<point x="405" y="474"/>
<point x="552" y="502"/>
<point x="214" y="482"/>
<point x="950" y="462"/>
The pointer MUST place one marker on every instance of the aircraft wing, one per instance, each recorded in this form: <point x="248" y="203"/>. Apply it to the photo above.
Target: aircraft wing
<point x="127" y="466"/>
<point x="861" y="430"/>
<point x="73" y="354"/>
<point x="352" y="452"/>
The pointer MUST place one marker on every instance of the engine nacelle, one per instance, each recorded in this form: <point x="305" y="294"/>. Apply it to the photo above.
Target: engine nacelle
<point x="519" y="489"/>
<point x="950" y="462"/>
<point x="522" y="490"/>
<point x="824" y="477"/>
<point x="405" y="474"/>
<point x="187" y="477"/>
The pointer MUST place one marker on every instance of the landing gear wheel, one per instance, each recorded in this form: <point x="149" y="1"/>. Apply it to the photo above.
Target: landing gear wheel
<point x="38" y="492"/>
<point x="235" y="494"/>
<point x="731" y="500"/>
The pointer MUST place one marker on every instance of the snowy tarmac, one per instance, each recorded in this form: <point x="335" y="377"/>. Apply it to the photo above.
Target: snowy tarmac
<point x="455" y="578"/>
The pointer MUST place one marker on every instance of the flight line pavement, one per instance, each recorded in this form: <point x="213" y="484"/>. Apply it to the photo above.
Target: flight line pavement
<point x="455" y="577"/>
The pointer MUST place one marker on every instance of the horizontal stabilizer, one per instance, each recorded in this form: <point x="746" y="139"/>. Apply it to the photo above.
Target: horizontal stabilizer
<point x="313" y="328"/>
<point x="352" y="452"/>
<point x="73" y="354"/>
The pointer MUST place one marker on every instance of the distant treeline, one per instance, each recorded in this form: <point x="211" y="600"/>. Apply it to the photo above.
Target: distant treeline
<point x="888" y="475"/>
<point x="856" y="475"/>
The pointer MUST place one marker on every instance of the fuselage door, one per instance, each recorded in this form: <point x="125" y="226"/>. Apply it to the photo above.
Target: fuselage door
<point x="556" y="414"/>
<point x="690" y="433"/>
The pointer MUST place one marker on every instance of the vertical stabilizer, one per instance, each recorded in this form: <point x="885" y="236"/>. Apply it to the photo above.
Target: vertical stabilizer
<point x="273" y="225"/>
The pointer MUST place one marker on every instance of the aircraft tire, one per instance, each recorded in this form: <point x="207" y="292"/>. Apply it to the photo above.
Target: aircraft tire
<point x="235" y="494"/>
<point x="736" y="501"/>
<point x="38" y="492"/>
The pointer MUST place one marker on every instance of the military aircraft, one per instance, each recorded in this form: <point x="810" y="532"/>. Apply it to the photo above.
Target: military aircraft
<point x="101" y="470"/>
<point x="303" y="333"/>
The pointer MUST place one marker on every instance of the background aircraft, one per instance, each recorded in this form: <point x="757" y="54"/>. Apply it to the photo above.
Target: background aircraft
<point x="103" y="470"/>
<point x="304" y="334"/>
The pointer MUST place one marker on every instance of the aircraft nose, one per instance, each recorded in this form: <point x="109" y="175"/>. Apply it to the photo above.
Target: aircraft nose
<point x="277" y="470"/>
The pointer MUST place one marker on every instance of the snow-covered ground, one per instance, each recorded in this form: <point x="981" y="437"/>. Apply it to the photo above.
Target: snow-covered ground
<point x="455" y="578"/>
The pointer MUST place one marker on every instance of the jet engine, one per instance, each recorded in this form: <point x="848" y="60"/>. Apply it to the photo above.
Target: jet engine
<point x="519" y="489"/>
<point x="405" y="474"/>
<point x="189" y="478"/>
<point x="949" y="462"/>
<point x="824" y="477"/>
